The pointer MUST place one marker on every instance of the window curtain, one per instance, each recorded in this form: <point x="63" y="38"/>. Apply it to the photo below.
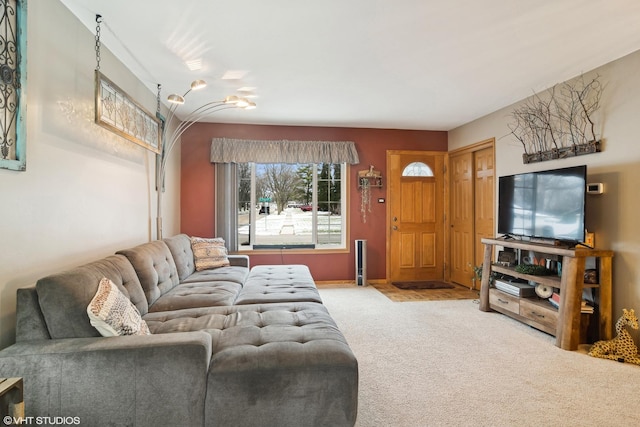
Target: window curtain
<point x="227" y="204"/>
<point x="228" y="150"/>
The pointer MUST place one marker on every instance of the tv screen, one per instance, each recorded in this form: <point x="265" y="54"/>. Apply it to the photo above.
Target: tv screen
<point x="547" y="204"/>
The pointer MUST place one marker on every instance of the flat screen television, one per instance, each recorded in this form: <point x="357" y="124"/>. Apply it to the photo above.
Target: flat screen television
<point x="547" y="204"/>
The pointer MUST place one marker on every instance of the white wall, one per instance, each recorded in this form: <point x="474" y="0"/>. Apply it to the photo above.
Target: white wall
<point x="86" y="192"/>
<point x="613" y="216"/>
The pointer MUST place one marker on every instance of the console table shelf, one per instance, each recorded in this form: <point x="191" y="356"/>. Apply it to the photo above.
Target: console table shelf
<point x="553" y="281"/>
<point x="564" y="323"/>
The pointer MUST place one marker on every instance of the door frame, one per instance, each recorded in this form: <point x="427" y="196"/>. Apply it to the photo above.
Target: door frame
<point x="445" y="183"/>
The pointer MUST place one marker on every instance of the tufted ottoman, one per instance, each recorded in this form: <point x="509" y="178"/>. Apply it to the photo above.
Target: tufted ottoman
<point x="271" y="363"/>
<point x="278" y="283"/>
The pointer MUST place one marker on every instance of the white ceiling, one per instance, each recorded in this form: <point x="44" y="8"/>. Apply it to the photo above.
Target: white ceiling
<point x="398" y="64"/>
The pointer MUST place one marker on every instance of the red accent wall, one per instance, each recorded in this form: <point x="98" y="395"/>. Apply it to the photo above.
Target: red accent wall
<point x="197" y="206"/>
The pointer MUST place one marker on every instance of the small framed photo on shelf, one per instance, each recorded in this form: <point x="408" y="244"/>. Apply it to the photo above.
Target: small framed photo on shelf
<point x="507" y="258"/>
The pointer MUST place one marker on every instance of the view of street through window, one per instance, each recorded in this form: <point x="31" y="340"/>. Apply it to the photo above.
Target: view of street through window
<point x="292" y="226"/>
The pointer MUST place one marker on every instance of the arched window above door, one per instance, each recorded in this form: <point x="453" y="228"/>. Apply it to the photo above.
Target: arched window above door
<point x="417" y="169"/>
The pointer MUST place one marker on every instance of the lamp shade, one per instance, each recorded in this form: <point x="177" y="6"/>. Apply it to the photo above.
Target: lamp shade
<point x="231" y="99"/>
<point x="242" y="103"/>
<point x="175" y="99"/>
<point x="198" y="84"/>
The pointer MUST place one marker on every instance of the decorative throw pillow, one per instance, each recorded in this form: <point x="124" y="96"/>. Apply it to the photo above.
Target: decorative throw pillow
<point x="209" y="253"/>
<point x="113" y="314"/>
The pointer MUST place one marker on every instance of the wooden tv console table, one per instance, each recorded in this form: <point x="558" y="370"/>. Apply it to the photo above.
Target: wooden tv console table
<point x="564" y="323"/>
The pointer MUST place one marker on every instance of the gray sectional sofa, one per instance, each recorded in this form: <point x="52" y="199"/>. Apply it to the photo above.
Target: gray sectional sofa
<point x="230" y="346"/>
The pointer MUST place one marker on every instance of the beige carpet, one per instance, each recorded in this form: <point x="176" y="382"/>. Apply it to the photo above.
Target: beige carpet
<point x="445" y="363"/>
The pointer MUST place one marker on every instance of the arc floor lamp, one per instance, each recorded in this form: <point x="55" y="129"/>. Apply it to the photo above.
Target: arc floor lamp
<point x="170" y="139"/>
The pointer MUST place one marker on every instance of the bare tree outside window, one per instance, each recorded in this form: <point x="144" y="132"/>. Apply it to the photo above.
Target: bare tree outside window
<point x="281" y="182"/>
<point x="290" y="205"/>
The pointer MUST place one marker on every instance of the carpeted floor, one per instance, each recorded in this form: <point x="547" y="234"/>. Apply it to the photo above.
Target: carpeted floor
<point x="445" y="363"/>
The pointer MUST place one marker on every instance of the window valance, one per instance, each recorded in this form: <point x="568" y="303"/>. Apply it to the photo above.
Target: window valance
<point x="228" y="150"/>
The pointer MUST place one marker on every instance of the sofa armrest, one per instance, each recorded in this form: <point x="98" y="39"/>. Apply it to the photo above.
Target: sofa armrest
<point x="239" y="260"/>
<point x="143" y="380"/>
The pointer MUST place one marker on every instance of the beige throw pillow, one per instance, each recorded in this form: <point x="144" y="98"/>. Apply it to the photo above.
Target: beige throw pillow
<point x="113" y="314"/>
<point x="209" y="253"/>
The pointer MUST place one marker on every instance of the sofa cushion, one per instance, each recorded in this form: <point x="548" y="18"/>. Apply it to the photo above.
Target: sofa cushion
<point x="180" y="247"/>
<point x="209" y="253"/>
<point x="253" y="325"/>
<point x="189" y="319"/>
<point x="113" y="314"/>
<point x="30" y="323"/>
<point x="279" y="283"/>
<point x="64" y="297"/>
<point x="225" y="274"/>
<point x="197" y="294"/>
<point x="154" y="265"/>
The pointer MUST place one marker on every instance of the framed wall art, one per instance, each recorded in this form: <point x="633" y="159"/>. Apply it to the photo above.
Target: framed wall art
<point x="13" y="84"/>
<point x="116" y="111"/>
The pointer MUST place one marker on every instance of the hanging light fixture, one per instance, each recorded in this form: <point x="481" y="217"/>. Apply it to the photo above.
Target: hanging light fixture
<point x="171" y="139"/>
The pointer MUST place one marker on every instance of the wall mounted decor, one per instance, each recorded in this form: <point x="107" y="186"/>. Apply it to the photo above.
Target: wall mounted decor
<point x="367" y="179"/>
<point x="559" y="123"/>
<point x="13" y="83"/>
<point x="116" y="111"/>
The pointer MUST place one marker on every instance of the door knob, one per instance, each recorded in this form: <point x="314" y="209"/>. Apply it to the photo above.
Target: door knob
<point x="395" y="227"/>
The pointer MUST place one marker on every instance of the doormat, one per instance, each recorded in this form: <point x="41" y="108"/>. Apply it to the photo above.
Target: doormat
<point x="429" y="284"/>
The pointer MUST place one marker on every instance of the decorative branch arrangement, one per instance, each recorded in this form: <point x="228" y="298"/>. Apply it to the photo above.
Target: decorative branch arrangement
<point x="559" y="124"/>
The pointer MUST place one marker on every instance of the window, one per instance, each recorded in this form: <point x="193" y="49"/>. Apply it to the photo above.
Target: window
<point x="285" y="205"/>
<point x="417" y="169"/>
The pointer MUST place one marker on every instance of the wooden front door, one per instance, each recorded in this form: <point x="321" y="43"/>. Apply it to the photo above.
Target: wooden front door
<point x="416" y="215"/>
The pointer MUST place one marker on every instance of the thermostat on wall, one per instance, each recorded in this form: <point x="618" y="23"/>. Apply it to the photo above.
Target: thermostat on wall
<point x="595" y="188"/>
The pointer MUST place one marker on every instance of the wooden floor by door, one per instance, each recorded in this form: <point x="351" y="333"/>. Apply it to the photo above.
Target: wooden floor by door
<point x="416" y="215"/>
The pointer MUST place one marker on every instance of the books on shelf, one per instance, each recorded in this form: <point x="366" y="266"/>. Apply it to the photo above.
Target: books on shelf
<point x="585" y="308"/>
